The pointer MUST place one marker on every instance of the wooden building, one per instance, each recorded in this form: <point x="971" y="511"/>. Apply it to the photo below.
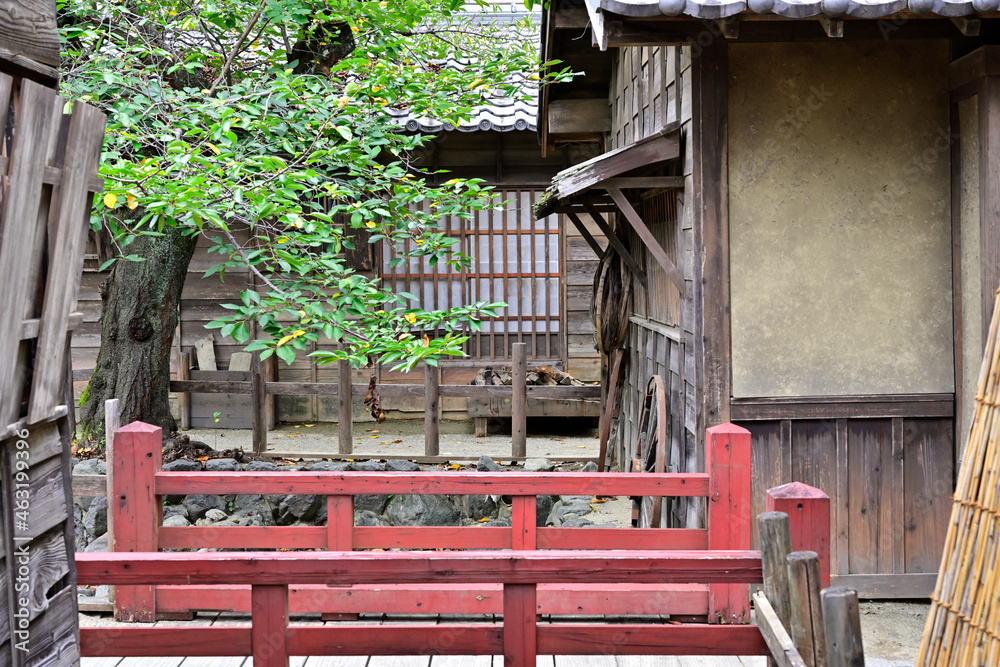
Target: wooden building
<point x="541" y="269"/>
<point x="809" y="193"/>
<point x="48" y="168"/>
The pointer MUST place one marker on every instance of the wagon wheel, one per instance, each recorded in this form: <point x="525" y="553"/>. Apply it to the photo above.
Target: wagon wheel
<point x="650" y="451"/>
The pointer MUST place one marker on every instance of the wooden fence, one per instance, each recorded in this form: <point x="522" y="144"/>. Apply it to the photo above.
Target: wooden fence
<point x="261" y="387"/>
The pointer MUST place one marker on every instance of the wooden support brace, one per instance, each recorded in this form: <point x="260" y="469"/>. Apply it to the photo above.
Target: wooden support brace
<point x="967" y="26"/>
<point x="616" y="243"/>
<point x="587" y="236"/>
<point x="727" y="461"/>
<point x="520" y="641"/>
<point x="523" y="523"/>
<point x="833" y="28"/>
<point x="651" y="242"/>
<point x="783" y="651"/>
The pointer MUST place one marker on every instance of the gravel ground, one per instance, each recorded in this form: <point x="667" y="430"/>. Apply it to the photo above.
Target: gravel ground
<point x="548" y="438"/>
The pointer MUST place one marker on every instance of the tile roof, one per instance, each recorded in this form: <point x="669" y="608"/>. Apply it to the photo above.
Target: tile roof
<point x="862" y="9"/>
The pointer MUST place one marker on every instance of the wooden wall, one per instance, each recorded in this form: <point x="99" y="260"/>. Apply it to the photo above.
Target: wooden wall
<point x="515" y="158"/>
<point x="643" y="92"/>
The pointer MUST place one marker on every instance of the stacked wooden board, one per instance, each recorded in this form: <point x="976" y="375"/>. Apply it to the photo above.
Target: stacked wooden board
<point x="963" y="627"/>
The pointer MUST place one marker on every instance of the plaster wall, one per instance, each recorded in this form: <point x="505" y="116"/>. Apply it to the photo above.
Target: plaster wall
<point x="839" y="210"/>
<point x="971" y="276"/>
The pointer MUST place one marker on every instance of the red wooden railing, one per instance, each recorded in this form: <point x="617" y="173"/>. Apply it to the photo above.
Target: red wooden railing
<point x="139" y="486"/>
<point x="270" y="638"/>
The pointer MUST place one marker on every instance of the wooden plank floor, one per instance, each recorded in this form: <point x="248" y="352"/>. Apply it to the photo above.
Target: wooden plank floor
<point x="397" y="661"/>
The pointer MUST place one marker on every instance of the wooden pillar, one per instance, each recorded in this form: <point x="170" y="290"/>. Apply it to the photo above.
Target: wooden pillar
<point x="808" y="511"/>
<point x="184" y="398"/>
<point x="432" y="411"/>
<point x="519" y="400"/>
<point x="520" y="608"/>
<point x="112" y="422"/>
<point x="137" y="511"/>
<point x="339" y="537"/>
<point x="269" y="632"/>
<point x="727" y="461"/>
<point x="843" y="627"/>
<point x="806" y="608"/>
<point x="346" y="414"/>
<point x="523" y="522"/>
<point x="258" y="407"/>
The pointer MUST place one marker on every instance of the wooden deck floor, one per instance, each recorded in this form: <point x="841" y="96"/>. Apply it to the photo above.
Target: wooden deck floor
<point x="404" y="661"/>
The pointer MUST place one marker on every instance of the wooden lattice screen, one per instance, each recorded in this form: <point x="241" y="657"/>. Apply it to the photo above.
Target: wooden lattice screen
<point x="516" y="260"/>
<point x="48" y="168"/>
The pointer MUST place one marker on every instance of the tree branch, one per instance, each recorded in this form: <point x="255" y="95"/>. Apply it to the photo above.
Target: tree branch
<point x="236" y="49"/>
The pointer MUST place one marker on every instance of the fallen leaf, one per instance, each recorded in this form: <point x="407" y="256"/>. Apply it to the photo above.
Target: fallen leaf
<point x="484" y="519"/>
<point x="372" y="437"/>
<point x="454" y="466"/>
<point x="581" y="446"/>
<point x="310" y="425"/>
<point x="599" y="500"/>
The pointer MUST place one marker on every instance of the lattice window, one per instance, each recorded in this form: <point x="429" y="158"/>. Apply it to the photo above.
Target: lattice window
<point x="516" y="260"/>
<point x="660" y="300"/>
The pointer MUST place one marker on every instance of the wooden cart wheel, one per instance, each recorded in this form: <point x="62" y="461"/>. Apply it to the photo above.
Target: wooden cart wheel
<point x="650" y="451"/>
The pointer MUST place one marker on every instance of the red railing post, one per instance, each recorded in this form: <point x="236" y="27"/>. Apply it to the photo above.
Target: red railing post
<point x="522" y="522"/>
<point x="269" y="631"/>
<point x="137" y="511"/>
<point x="727" y="461"/>
<point x="520" y="627"/>
<point x="808" y="510"/>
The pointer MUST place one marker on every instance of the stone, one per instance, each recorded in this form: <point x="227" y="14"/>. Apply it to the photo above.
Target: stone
<point x="175" y="521"/>
<point x="477" y="507"/>
<point x="590" y="466"/>
<point x="330" y="466"/>
<point x="401" y="466"/>
<point x="298" y="507"/>
<point x="249" y="506"/>
<point x="428" y="510"/>
<point x="85" y="592"/>
<point x="538" y="465"/>
<point x="96" y="520"/>
<point x="174" y="510"/>
<point x="222" y="465"/>
<point x="366" y="518"/>
<point x="261" y="466"/>
<point x="486" y="464"/>
<point x="371" y="503"/>
<point x="576" y="522"/>
<point x="99" y="545"/>
<point x="215" y="515"/>
<point x="79" y="532"/>
<point x="198" y="505"/>
<point x="369" y="466"/>
<point x="83" y="502"/>
<point x="543" y="505"/>
<point x="182" y="465"/>
<point x="91" y="467"/>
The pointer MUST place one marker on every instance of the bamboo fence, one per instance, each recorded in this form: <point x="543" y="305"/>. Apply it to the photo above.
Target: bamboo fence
<point x="963" y="626"/>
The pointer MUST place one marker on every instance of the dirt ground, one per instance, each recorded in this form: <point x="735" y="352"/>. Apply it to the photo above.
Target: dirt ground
<point x="892" y="630"/>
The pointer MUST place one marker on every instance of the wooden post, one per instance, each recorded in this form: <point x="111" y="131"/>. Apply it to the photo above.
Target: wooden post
<point x="270" y="375"/>
<point x="806" y="608"/>
<point x="519" y="400"/>
<point x="346" y="413"/>
<point x="184" y="398"/>
<point x="523" y="523"/>
<point x="269" y="630"/>
<point x="727" y="461"/>
<point x="137" y="511"/>
<point x="258" y="408"/>
<point x="808" y="511"/>
<point x="339" y="537"/>
<point x="843" y="627"/>
<point x="775" y="545"/>
<point x="520" y="608"/>
<point x="112" y="422"/>
<point x="432" y="380"/>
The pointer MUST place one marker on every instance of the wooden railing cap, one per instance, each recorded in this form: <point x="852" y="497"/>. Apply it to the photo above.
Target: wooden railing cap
<point x="796" y="490"/>
<point x="139" y="427"/>
<point x="723" y="429"/>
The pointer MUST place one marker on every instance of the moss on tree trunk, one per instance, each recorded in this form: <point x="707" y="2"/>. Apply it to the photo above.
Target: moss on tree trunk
<point x="141" y="306"/>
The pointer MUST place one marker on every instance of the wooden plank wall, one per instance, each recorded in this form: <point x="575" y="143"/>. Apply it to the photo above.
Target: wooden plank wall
<point x="512" y="157"/>
<point x="642" y="93"/>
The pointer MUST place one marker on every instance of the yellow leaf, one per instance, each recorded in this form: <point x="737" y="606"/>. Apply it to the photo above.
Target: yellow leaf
<point x="310" y="425"/>
<point x="214" y="148"/>
<point x="370" y="224"/>
<point x="285" y="340"/>
<point x="132" y="202"/>
<point x="454" y="466"/>
<point x="484" y="519"/>
<point x="282" y="239"/>
<point x="110" y="200"/>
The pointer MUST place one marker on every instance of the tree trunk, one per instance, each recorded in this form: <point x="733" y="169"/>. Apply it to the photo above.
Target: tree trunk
<point x="138" y="319"/>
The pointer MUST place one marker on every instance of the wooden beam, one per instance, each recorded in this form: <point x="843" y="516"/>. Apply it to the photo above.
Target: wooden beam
<point x="651" y="242"/>
<point x="783" y="651"/>
<point x="643" y="182"/>
<point x="617" y="244"/>
<point x="579" y="116"/>
<point x="967" y="26"/>
<point x="587" y="236"/>
<point x="728" y="28"/>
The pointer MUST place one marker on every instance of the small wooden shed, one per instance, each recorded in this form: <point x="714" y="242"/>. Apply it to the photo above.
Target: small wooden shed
<point x="48" y="172"/>
<point x="826" y="173"/>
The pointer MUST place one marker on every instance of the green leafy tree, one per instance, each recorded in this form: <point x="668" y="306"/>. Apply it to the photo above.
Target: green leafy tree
<point x="267" y="127"/>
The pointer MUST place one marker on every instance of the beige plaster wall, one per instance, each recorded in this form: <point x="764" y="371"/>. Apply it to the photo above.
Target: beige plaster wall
<point x="840" y="234"/>
<point x="971" y="277"/>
